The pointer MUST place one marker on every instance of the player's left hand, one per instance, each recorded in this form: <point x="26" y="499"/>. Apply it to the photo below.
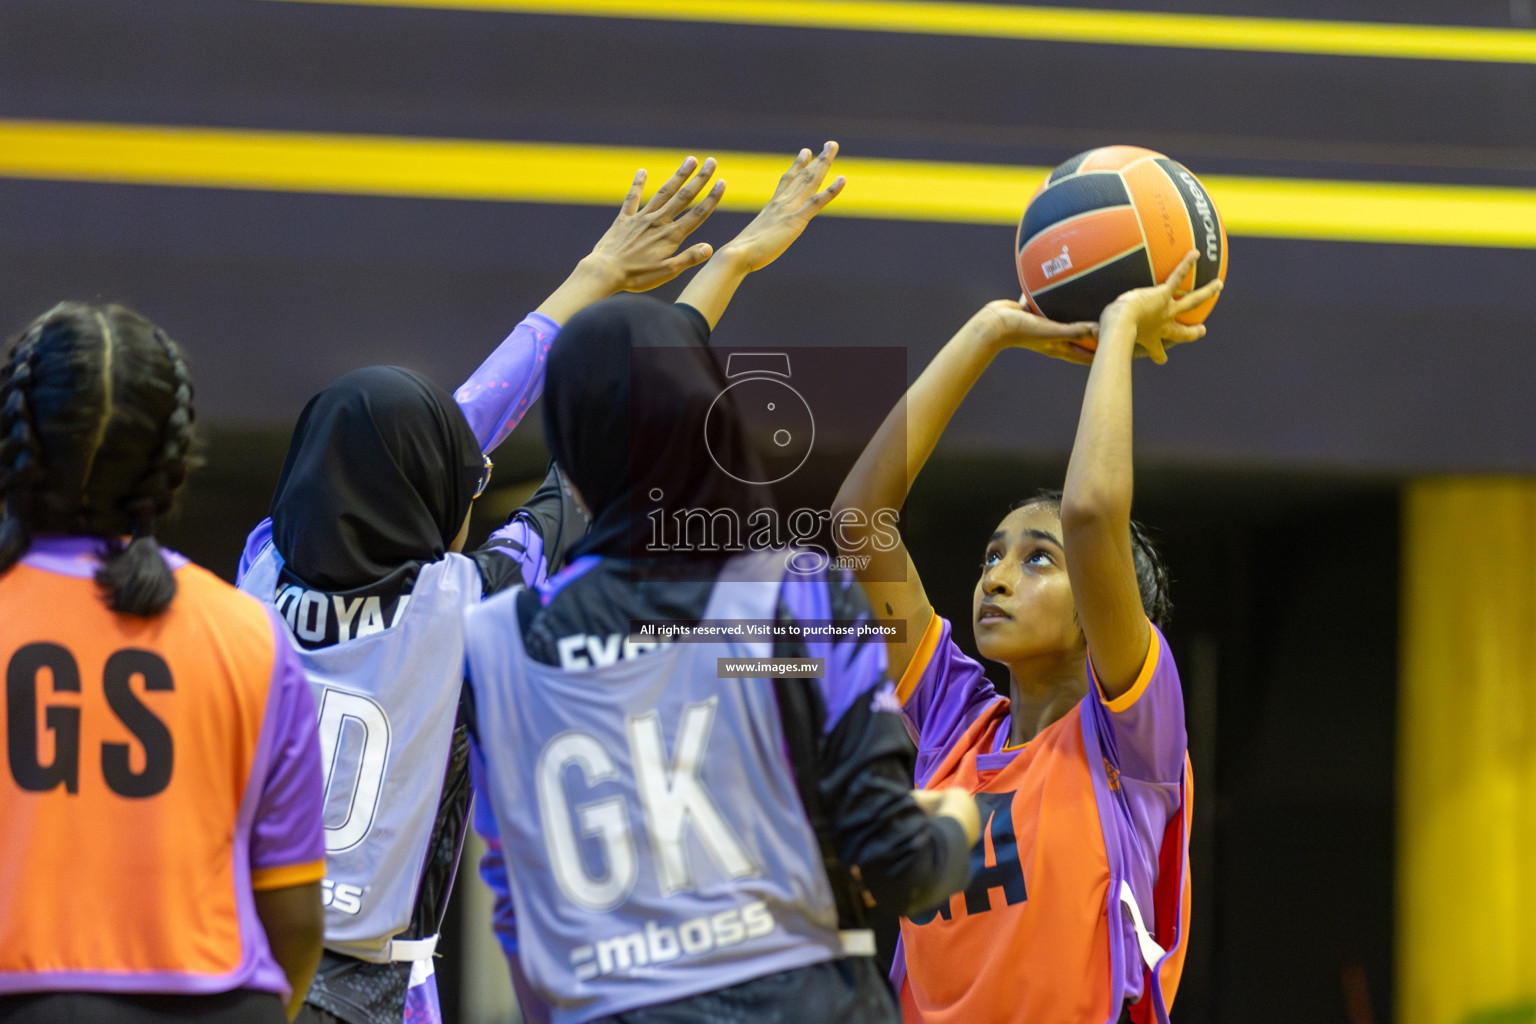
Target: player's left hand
<point x="1151" y="312"/>
<point x="798" y="197"/>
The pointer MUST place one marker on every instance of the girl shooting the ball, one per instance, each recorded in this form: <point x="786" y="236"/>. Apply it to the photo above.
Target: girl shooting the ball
<point x="1077" y="907"/>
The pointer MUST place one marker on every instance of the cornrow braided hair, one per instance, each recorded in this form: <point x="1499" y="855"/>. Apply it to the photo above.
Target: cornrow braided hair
<point x="21" y="456"/>
<point x="135" y="576"/>
<point x="96" y="437"/>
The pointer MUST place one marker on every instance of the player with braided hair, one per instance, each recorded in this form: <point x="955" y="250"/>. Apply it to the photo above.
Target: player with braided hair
<point x="163" y="847"/>
<point x="138" y="582"/>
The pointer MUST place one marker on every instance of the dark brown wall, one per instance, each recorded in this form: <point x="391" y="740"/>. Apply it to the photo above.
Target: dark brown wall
<point x="1322" y="355"/>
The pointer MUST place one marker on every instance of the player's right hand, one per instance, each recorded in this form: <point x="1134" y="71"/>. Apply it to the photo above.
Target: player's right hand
<point x="639" y="251"/>
<point x="952" y="802"/>
<point x="1010" y="325"/>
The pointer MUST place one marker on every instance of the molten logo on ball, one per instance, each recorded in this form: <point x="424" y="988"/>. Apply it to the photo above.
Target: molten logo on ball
<point x="1203" y="208"/>
<point x="777" y="421"/>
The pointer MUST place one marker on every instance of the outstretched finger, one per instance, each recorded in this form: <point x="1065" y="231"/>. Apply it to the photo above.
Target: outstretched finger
<point x="801" y="159"/>
<point x="700" y="211"/>
<point x="815" y="172"/>
<point x="1181" y="271"/>
<point x="817" y="168"/>
<point x="689" y="257"/>
<point x="671" y="185"/>
<point x="1178" y="333"/>
<point x="1200" y="295"/>
<point x="685" y="195"/>
<point x="817" y="202"/>
<point x="632" y="200"/>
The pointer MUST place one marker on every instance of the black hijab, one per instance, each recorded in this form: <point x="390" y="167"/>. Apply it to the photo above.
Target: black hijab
<point x="625" y="420"/>
<point x="380" y="474"/>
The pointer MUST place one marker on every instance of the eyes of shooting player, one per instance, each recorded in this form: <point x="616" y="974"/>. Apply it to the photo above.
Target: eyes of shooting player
<point x="1036" y="555"/>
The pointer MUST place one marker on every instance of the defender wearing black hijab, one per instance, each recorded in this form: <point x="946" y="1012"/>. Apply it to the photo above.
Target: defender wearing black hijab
<point x="380" y="473"/>
<point x="361" y="558"/>
<point x="378" y="480"/>
<point x="711" y="840"/>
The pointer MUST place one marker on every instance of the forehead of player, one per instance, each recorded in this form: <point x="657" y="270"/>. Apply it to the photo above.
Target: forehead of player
<point x="1035" y="526"/>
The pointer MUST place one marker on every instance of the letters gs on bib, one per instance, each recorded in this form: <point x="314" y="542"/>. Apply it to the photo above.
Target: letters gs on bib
<point x="64" y="720"/>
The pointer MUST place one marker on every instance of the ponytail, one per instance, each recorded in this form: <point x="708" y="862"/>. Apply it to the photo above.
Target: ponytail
<point x="135" y="577"/>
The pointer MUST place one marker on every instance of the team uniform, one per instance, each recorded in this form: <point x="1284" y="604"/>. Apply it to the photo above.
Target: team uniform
<point x="161" y="771"/>
<point x="1079" y="899"/>
<point x="385" y="662"/>
<point x="657" y="820"/>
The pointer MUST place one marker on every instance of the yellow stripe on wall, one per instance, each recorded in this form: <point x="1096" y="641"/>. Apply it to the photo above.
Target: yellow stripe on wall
<point x="586" y="175"/>
<point x="1052" y="24"/>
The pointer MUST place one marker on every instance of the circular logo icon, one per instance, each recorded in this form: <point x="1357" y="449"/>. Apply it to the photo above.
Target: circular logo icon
<point x="776" y="422"/>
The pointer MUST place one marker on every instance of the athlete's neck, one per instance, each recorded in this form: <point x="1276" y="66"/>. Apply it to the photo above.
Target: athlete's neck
<point x="1042" y="690"/>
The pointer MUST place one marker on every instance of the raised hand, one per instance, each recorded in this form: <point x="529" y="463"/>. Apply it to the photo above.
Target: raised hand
<point x="639" y="251"/>
<point x="1152" y="310"/>
<point x="798" y="198"/>
<point x="1008" y="324"/>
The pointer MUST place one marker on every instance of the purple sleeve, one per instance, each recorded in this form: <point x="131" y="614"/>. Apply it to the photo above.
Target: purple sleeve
<point x="258" y="539"/>
<point x="1146" y="723"/>
<point x="289" y="827"/>
<point x="497" y="395"/>
<point x="942" y="692"/>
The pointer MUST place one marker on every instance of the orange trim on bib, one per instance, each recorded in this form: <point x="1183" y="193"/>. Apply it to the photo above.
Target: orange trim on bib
<point x="1129" y="697"/>
<point x="920" y="660"/>
<point x="286" y="877"/>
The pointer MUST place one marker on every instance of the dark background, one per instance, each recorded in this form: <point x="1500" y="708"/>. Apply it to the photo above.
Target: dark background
<point x="1272" y="454"/>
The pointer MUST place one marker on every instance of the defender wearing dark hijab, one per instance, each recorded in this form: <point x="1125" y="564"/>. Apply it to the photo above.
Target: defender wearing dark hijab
<point x="701" y="833"/>
<point x="361" y="558"/>
<point x="379" y="476"/>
